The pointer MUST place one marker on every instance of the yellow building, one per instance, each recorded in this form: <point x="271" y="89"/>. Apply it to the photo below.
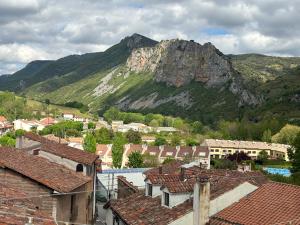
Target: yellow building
<point x="220" y="148"/>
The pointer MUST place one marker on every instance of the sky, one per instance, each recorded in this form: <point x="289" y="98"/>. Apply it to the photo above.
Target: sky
<point x="50" y="29"/>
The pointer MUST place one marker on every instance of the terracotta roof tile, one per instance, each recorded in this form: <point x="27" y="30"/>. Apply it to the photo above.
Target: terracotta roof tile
<point x="273" y="203"/>
<point x="63" y="150"/>
<point x="201" y="151"/>
<point x="185" y="151"/>
<point x="169" y="151"/>
<point x="138" y="209"/>
<point x="153" y="150"/>
<point x="49" y="174"/>
<point x="169" y="168"/>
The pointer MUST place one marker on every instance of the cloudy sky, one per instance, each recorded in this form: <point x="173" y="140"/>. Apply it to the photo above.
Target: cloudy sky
<point x="49" y="29"/>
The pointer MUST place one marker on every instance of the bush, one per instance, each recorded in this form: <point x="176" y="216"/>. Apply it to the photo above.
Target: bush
<point x="224" y="164"/>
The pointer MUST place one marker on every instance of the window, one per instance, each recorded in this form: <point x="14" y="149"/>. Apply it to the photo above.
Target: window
<point x="149" y="189"/>
<point x="249" y="152"/>
<point x="166" y="199"/>
<point x="229" y="150"/>
<point x="254" y="152"/>
<point x="224" y="150"/>
<point x="79" y="168"/>
<point x="216" y="150"/>
<point x="212" y="150"/>
<point x="116" y="220"/>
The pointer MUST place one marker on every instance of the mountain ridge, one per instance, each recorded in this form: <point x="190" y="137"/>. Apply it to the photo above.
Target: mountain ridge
<point x="174" y="77"/>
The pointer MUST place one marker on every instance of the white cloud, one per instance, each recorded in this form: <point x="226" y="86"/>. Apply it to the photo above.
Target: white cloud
<point x="49" y="29"/>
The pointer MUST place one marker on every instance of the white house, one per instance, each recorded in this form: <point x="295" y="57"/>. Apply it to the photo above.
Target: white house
<point x="28" y="125"/>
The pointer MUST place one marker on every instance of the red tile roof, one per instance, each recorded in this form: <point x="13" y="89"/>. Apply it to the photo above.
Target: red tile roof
<point x="138" y="209"/>
<point x="101" y="150"/>
<point x="153" y="150"/>
<point x="62" y="150"/>
<point x="51" y="175"/>
<point x="2" y="119"/>
<point x="169" y="168"/>
<point x="185" y="151"/>
<point x="134" y="148"/>
<point x="169" y="151"/>
<point x="273" y="203"/>
<point x="47" y="121"/>
<point x="201" y="150"/>
<point x="11" y="211"/>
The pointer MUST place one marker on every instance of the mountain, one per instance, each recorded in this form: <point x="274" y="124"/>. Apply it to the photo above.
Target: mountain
<point x="177" y="77"/>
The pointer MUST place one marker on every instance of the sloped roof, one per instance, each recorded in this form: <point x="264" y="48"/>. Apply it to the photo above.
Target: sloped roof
<point x="62" y="150"/>
<point x="169" y="151"/>
<point x="273" y="203"/>
<point x="2" y="119"/>
<point x="12" y="210"/>
<point x="140" y="209"/>
<point x="51" y="175"/>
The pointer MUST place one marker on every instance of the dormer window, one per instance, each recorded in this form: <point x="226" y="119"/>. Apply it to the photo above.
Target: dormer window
<point x="166" y="199"/>
<point x="149" y="189"/>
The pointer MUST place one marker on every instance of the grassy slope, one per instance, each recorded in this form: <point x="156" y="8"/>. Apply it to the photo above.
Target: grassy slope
<point x="277" y="79"/>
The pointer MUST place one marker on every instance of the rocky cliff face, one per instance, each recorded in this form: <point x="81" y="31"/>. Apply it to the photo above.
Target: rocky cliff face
<point x="179" y="62"/>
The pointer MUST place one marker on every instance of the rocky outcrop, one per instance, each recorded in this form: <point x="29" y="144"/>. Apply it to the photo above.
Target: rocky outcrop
<point x="179" y="62"/>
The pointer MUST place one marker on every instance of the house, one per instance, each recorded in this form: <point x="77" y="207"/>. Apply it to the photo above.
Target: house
<point x="221" y="148"/>
<point x="68" y="116"/>
<point x="104" y="151"/>
<point x="74" y="159"/>
<point x="165" y="129"/>
<point x="5" y="126"/>
<point x="200" y="154"/>
<point x="28" y="125"/>
<point x="148" y="139"/>
<point x="13" y="205"/>
<point x="62" y="193"/>
<point x="187" y="196"/>
<point x="48" y="121"/>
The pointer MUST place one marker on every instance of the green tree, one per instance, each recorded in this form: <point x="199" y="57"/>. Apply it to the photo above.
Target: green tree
<point x="175" y="140"/>
<point x="197" y="127"/>
<point x="168" y="160"/>
<point x="135" y="160"/>
<point x="160" y="141"/>
<point x="112" y="114"/>
<point x="104" y="136"/>
<point x="118" y="149"/>
<point x="89" y="143"/>
<point x="150" y="160"/>
<point x="267" y="136"/>
<point x="294" y="154"/>
<point x="7" y="141"/>
<point x="134" y="137"/>
<point x="287" y="134"/>
<point x="263" y="156"/>
<point x="91" y="126"/>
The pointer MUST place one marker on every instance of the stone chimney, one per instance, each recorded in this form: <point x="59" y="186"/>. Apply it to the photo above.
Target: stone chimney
<point x="160" y="169"/>
<point x="201" y="201"/>
<point x="182" y="173"/>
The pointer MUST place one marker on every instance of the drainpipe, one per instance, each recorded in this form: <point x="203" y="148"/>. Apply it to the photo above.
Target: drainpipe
<point x="94" y="198"/>
<point x="201" y="201"/>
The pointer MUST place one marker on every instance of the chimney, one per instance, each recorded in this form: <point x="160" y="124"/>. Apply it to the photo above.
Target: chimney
<point x="201" y="201"/>
<point x="182" y="171"/>
<point x="19" y="142"/>
<point x="160" y="170"/>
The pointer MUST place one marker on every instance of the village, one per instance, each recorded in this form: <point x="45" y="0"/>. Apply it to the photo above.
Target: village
<point x="53" y="179"/>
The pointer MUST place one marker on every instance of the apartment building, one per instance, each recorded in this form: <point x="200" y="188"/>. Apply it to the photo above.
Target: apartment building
<point x="220" y="148"/>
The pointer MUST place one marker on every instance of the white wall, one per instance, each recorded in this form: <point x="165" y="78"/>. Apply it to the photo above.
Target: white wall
<point x="155" y="189"/>
<point x="62" y="161"/>
<point x="187" y="219"/>
<point x="230" y="197"/>
<point x="175" y="199"/>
